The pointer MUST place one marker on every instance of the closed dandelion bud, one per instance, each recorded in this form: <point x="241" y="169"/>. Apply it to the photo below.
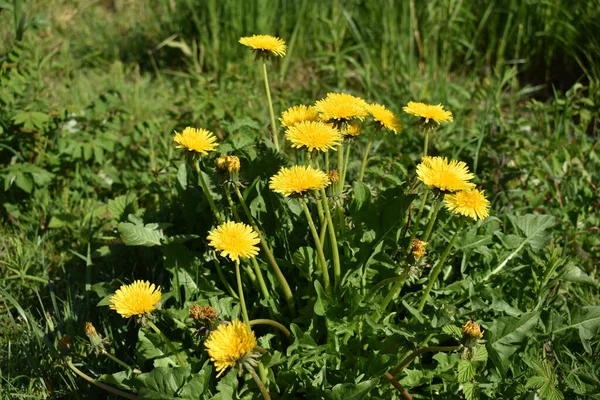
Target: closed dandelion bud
<point x="418" y="248"/>
<point x="203" y="314"/>
<point x="90" y="332"/>
<point x="471" y="333"/>
<point x="333" y="176"/>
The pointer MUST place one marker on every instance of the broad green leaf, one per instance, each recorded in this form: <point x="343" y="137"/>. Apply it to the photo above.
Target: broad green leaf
<point x="466" y="371"/>
<point x="197" y="384"/>
<point x="161" y="382"/>
<point x="452" y="330"/>
<point x="323" y="300"/>
<point x="508" y="333"/>
<point x="351" y="391"/>
<point x="139" y="235"/>
<point x="574" y="274"/>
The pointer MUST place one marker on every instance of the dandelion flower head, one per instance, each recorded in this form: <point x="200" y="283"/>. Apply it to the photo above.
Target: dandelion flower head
<point x="314" y="136"/>
<point x="138" y="298"/>
<point x="472" y="330"/>
<point x="198" y="140"/>
<point x="298" y="180"/>
<point x="300" y="113"/>
<point x="428" y="112"/>
<point x="437" y="172"/>
<point x="352" y="129"/>
<point x="384" y="117"/>
<point x="234" y="240"/>
<point x="229" y="344"/>
<point x="418" y="248"/>
<point x="470" y="203"/>
<point x="265" y="44"/>
<point x="341" y="107"/>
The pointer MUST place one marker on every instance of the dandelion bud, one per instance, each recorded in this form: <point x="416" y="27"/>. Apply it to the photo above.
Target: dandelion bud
<point x="221" y="163"/>
<point x="418" y="248"/>
<point x="93" y="336"/>
<point x="233" y="164"/>
<point x="472" y="330"/>
<point x="333" y="176"/>
<point x="203" y="314"/>
<point x="352" y="129"/>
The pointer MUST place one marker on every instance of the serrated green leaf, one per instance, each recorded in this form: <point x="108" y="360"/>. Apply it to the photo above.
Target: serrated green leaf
<point x="470" y="390"/>
<point x="161" y="382"/>
<point x="138" y="235"/>
<point x="452" y="330"/>
<point x="466" y="371"/>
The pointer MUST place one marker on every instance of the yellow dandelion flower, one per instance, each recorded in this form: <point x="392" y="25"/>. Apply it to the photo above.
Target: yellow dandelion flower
<point x="472" y="330"/>
<point x="470" y="203"/>
<point x="265" y="44"/>
<point x="301" y="113"/>
<point x="234" y="240"/>
<point x="298" y="180"/>
<point x="313" y="136"/>
<point x="198" y="140"/>
<point x="138" y="298"/>
<point x="418" y="248"/>
<point x="228" y="164"/>
<point x="429" y="112"/>
<point x="384" y="117"/>
<point x="437" y="172"/>
<point x="341" y="107"/>
<point x="230" y="344"/>
<point x="352" y="129"/>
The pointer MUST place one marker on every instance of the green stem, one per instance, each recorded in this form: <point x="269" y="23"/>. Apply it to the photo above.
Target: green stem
<point x="326" y="162"/>
<point x="101" y="385"/>
<point x="396" y="289"/>
<point x="224" y="280"/>
<point x="241" y="291"/>
<point x="207" y="193"/>
<point x="319" y="246"/>
<point x="413" y="233"/>
<point x="271" y="112"/>
<point x="346" y="159"/>
<point x="425" y="146"/>
<point x="337" y="273"/>
<point x="260" y="385"/>
<point x="432" y="221"/>
<point x="119" y="361"/>
<point x="340" y="168"/>
<point x="261" y="280"/>
<point x="272" y="323"/>
<point x="167" y="341"/>
<point x="363" y="165"/>
<point x="323" y="230"/>
<point x="438" y="268"/>
<point x="287" y="291"/>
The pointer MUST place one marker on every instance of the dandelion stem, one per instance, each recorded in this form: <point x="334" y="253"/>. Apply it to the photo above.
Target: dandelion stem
<point x="257" y="271"/>
<point x="101" y="385"/>
<point x="332" y="238"/>
<point x="241" y="291"/>
<point x="167" y="341"/>
<point x="224" y="280"/>
<point x="413" y="233"/>
<point x="340" y="168"/>
<point x="119" y="361"/>
<point x="426" y="144"/>
<point x="272" y="323"/>
<point x="207" y="193"/>
<point x="287" y="291"/>
<point x="271" y="112"/>
<point x="436" y="209"/>
<point x="260" y="385"/>
<point x="323" y="230"/>
<point x="346" y="159"/>
<point x="403" y="392"/>
<point x="396" y="289"/>
<point x="319" y="246"/>
<point x="438" y="268"/>
<point x="363" y="165"/>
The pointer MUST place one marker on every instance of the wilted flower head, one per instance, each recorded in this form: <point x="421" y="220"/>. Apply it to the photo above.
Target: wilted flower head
<point x="313" y="136"/>
<point x="333" y="176"/>
<point x="429" y="113"/>
<point x="298" y="180"/>
<point x="265" y="45"/>
<point x="384" y="117"/>
<point x="418" y="248"/>
<point x="198" y="140"/>
<point x="203" y="314"/>
<point x="472" y="330"/>
<point x="437" y="172"/>
<point x="136" y="299"/>
<point x="234" y="240"/>
<point x="341" y="107"/>
<point x="300" y="113"/>
<point x="470" y="203"/>
<point x="229" y="345"/>
<point x="228" y="164"/>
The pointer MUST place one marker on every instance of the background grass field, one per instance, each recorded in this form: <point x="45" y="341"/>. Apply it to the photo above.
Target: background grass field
<point x="91" y="91"/>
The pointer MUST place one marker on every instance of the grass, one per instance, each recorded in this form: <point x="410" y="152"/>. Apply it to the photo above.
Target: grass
<point x="90" y="93"/>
